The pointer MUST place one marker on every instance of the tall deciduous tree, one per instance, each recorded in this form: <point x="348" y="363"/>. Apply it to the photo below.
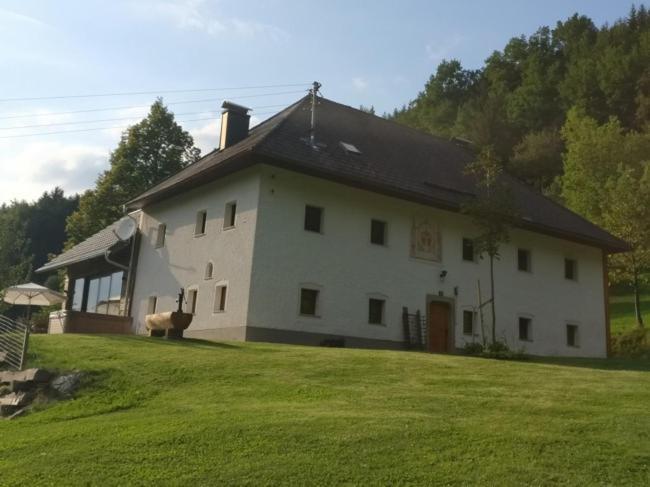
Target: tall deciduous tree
<point x="627" y="215"/>
<point x="493" y="212"/>
<point x="148" y="152"/>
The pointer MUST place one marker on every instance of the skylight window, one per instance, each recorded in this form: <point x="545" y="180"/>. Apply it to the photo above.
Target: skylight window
<point x="349" y="148"/>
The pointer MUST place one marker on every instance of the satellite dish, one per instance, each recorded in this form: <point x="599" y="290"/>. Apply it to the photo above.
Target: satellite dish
<point x="125" y="229"/>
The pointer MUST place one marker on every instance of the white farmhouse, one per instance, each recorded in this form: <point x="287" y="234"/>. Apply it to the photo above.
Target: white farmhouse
<point x="335" y="240"/>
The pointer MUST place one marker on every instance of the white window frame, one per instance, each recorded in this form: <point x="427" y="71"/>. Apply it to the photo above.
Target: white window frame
<point x="530" y="260"/>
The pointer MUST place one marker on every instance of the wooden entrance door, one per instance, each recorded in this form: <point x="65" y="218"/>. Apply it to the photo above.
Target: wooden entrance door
<point x="438" y="327"/>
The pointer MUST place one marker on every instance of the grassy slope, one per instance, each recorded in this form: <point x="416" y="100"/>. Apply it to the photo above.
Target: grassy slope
<point x="622" y="312"/>
<point x="195" y="412"/>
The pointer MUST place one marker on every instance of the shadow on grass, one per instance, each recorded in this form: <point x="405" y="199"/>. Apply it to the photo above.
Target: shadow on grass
<point x="164" y="342"/>
<point x="628" y="364"/>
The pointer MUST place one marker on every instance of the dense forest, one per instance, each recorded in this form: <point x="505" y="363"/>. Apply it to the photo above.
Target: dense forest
<point x="567" y="110"/>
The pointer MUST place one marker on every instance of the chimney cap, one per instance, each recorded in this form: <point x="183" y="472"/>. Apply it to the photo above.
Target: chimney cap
<point x="229" y="106"/>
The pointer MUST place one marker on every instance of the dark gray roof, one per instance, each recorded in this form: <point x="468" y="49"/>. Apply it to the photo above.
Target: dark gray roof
<point x="93" y="246"/>
<point x="394" y="160"/>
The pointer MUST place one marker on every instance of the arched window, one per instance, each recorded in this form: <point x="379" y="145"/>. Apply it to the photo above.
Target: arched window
<point x="208" y="270"/>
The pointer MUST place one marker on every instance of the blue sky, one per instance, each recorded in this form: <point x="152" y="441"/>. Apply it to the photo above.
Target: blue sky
<point x="372" y="53"/>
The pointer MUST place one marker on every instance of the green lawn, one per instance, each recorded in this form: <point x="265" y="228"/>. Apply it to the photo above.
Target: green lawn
<point x="622" y="312"/>
<point x="200" y="413"/>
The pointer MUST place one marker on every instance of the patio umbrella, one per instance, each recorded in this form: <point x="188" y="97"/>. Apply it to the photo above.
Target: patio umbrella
<point x="31" y="294"/>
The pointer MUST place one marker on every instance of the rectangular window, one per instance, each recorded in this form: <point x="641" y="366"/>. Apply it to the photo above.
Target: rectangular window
<point x="377" y="232"/>
<point x="308" y="302"/>
<point x="230" y="215"/>
<point x="93" y="290"/>
<point x="220" y="298"/>
<point x="160" y="236"/>
<point x="468" y="249"/>
<point x="78" y="294"/>
<point x="192" y="297"/>
<point x="151" y="305"/>
<point x="376" y="311"/>
<point x="572" y="336"/>
<point x="201" y="219"/>
<point x="525" y="331"/>
<point x="468" y="322"/>
<point x="570" y="269"/>
<point x="523" y="260"/>
<point x="313" y="219"/>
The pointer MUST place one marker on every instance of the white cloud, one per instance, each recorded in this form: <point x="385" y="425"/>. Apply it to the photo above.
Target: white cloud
<point x="359" y="83"/>
<point x="38" y="166"/>
<point x="201" y="16"/>
<point x="437" y="51"/>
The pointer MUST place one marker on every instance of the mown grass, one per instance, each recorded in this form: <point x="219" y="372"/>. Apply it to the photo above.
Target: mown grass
<point x="199" y="413"/>
<point x="622" y="313"/>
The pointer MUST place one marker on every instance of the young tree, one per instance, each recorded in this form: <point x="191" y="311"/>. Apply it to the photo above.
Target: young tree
<point x="148" y="152"/>
<point x="628" y="216"/>
<point x="493" y="212"/>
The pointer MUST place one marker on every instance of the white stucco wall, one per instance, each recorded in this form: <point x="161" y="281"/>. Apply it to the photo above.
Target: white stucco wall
<point x="181" y="262"/>
<point x="348" y="270"/>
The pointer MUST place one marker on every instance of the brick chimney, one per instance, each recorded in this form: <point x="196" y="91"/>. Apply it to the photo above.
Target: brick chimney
<point x="234" y="124"/>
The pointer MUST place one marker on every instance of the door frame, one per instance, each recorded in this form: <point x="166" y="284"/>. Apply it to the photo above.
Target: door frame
<point x="451" y="303"/>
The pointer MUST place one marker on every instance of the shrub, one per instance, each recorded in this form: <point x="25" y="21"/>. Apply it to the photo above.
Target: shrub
<point x="497" y="350"/>
<point x="473" y="348"/>
<point x="633" y="344"/>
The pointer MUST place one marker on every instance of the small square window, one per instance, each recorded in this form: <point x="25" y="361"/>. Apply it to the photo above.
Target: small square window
<point x="308" y="302"/>
<point x="468" y="322"/>
<point x="151" y="305"/>
<point x="160" y="236"/>
<point x="313" y="219"/>
<point x="525" y="331"/>
<point x="523" y="260"/>
<point x="376" y="311"/>
<point x="468" y="250"/>
<point x="570" y="269"/>
<point x="230" y="215"/>
<point x="192" y="298"/>
<point x="201" y="219"/>
<point x="572" y="336"/>
<point x="377" y="232"/>
<point x="220" y="298"/>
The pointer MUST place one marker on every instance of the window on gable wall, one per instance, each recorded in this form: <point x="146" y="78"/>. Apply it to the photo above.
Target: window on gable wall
<point x="220" y="298"/>
<point x="209" y="269"/>
<point x="201" y="220"/>
<point x="160" y="235"/>
<point x="570" y="269"/>
<point x="151" y="305"/>
<point x="230" y="215"/>
<point x="192" y="298"/>
<point x="377" y="232"/>
<point x="572" y="336"/>
<point x="523" y="260"/>
<point x="313" y="219"/>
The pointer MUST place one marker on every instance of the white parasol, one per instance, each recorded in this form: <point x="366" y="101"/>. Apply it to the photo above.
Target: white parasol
<point x="31" y="294"/>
